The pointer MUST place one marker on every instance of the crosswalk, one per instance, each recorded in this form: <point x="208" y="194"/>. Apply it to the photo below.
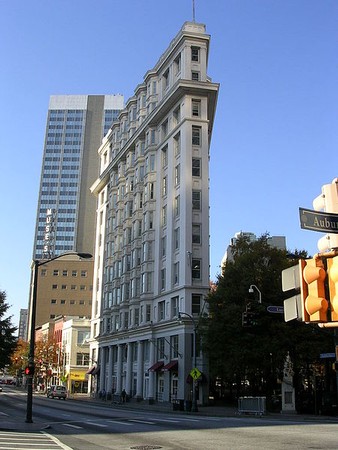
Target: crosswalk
<point x="30" y="441"/>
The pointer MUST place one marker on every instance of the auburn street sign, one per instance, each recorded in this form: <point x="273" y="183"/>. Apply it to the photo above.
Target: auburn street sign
<point x="318" y="221"/>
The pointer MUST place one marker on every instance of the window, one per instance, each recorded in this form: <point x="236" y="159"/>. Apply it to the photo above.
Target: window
<point x="196" y="269"/>
<point x="174" y="346"/>
<point x="164" y="215"/>
<point x="73" y="287"/>
<point x="53" y="301"/>
<point x="82" y="287"/>
<point x="164" y="246"/>
<point x="161" y="310"/>
<point x="166" y="79"/>
<point x="63" y="302"/>
<point x="65" y="273"/>
<point x="176" y="238"/>
<point x="55" y="272"/>
<point x="177" y="174"/>
<point x="43" y="272"/>
<point x="195" y="54"/>
<point x="177" y="65"/>
<point x="196" y="304"/>
<point x="82" y="359"/>
<point x="177" y="206"/>
<point x="54" y="286"/>
<point x="177" y="115"/>
<point x="72" y="302"/>
<point x="164" y="128"/>
<point x="174" y="306"/>
<point x="165" y="156"/>
<point x="148" y="313"/>
<point x="196" y="108"/>
<point x="195" y="76"/>
<point x="74" y="273"/>
<point x="177" y="144"/>
<point x="196" y="233"/>
<point x="196" y="200"/>
<point x="160" y="348"/>
<point x="196" y="135"/>
<point x="163" y="279"/>
<point x="164" y="186"/>
<point x="176" y="275"/>
<point x="83" y="273"/>
<point x="64" y="286"/>
<point x="196" y="167"/>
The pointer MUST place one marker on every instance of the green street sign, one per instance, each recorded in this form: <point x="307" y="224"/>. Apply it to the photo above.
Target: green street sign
<point x="195" y="373"/>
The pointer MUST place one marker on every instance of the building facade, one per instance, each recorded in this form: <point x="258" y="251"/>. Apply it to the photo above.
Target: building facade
<point x="152" y="230"/>
<point x="66" y="210"/>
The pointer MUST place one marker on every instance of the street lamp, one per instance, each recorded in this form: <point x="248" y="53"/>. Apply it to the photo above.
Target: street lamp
<point x="251" y="291"/>
<point x="194" y="399"/>
<point x="30" y="370"/>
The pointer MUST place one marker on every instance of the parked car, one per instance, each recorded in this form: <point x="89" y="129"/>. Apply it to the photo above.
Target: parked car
<point x="57" y="392"/>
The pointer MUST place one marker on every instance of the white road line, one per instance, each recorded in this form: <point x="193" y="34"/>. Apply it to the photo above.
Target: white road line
<point x="3" y="414"/>
<point x="96" y="424"/>
<point x="120" y="423"/>
<point x="141" y="421"/>
<point x="56" y="441"/>
<point x="72" y="426"/>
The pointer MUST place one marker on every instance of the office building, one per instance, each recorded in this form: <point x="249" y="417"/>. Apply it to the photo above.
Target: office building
<point x="66" y="209"/>
<point x="151" y="270"/>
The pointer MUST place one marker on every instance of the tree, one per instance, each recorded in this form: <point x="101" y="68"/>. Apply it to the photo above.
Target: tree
<point x="248" y="360"/>
<point x="7" y="330"/>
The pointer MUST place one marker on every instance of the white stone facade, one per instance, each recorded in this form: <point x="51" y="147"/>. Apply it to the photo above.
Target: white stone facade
<point x="152" y="239"/>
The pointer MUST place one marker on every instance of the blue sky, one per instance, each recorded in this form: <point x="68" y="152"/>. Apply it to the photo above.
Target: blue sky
<point x="275" y="135"/>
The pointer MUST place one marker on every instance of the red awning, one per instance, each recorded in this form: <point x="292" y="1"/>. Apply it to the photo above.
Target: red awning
<point x="156" y="366"/>
<point x="172" y="365"/>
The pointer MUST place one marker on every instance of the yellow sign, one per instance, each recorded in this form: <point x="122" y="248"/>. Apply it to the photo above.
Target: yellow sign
<point x="77" y="375"/>
<point x="195" y="373"/>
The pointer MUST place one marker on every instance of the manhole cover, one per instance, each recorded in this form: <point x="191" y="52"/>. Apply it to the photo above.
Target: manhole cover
<point x="145" y="447"/>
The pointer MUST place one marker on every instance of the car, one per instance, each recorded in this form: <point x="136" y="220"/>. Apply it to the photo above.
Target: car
<point x="0" y="388"/>
<point x="57" y="391"/>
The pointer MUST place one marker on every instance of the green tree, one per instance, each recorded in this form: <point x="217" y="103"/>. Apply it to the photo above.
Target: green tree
<point x="7" y="330"/>
<point x="248" y="360"/>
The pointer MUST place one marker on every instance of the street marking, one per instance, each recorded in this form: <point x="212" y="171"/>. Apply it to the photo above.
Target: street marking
<point x="3" y="414"/>
<point x="72" y="426"/>
<point x="96" y="424"/>
<point x="120" y="423"/>
<point x="141" y="421"/>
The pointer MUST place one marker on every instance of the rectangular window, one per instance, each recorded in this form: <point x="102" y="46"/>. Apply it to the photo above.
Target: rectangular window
<point x="160" y="348"/>
<point x="195" y="54"/>
<point x="161" y="310"/>
<point x="53" y="301"/>
<point x="196" y="233"/>
<point x="74" y="273"/>
<point x="148" y="313"/>
<point x="163" y="276"/>
<point x="174" y="346"/>
<point x="83" y="273"/>
<point x="164" y="215"/>
<point x="164" y="128"/>
<point x="177" y="174"/>
<point x="196" y="135"/>
<point x="166" y="79"/>
<point x="174" y="307"/>
<point x="177" y="115"/>
<point x="196" y="269"/>
<point x="55" y="272"/>
<point x="164" y="186"/>
<point x="165" y="156"/>
<point x="196" y="304"/>
<point x="177" y="144"/>
<point x="196" y="167"/>
<point x="177" y="65"/>
<point x="177" y="238"/>
<point x="177" y="206"/>
<point x="176" y="274"/>
<point x="196" y="200"/>
<point x="164" y="246"/>
<point x="196" y="108"/>
<point x="65" y="273"/>
<point x="195" y="76"/>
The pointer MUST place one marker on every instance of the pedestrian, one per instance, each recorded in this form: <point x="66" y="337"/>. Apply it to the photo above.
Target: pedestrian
<point x="123" y="395"/>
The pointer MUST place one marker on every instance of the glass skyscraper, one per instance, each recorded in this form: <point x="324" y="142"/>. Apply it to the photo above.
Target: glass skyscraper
<point x="75" y="127"/>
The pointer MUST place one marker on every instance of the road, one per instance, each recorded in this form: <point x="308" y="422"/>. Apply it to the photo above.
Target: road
<point x="80" y="425"/>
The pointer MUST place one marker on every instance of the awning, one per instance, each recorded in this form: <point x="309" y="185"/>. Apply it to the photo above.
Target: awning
<point x="96" y="371"/>
<point x="172" y="365"/>
<point x="91" y="370"/>
<point x="157" y="366"/>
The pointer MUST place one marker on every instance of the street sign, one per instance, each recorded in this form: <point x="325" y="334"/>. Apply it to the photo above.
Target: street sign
<point x="195" y="373"/>
<point x="275" y="309"/>
<point x="318" y="221"/>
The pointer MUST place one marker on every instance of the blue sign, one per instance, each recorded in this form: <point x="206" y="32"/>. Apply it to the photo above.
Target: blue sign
<point x="275" y="309"/>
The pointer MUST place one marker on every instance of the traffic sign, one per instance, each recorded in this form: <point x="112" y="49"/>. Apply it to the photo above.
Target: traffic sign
<point x="275" y="309"/>
<point x="195" y="373"/>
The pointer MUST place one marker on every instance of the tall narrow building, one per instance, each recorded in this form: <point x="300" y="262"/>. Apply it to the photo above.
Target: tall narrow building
<point x="66" y="210"/>
<point x="151" y="272"/>
<point x="75" y="127"/>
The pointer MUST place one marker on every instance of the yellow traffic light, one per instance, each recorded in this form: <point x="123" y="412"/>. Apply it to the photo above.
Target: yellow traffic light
<point x="332" y="268"/>
<point x="314" y="303"/>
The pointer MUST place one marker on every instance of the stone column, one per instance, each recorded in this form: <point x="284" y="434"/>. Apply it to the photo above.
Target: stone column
<point x="129" y="371"/>
<point x="140" y="367"/>
<point x="119" y="369"/>
<point x="152" y="375"/>
<point x="102" y="368"/>
<point x="110" y="369"/>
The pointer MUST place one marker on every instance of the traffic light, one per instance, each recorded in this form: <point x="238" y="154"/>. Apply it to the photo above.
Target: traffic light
<point x="313" y="301"/>
<point x="332" y="269"/>
<point x="29" y="370"/>
<point x="327" y="201"/>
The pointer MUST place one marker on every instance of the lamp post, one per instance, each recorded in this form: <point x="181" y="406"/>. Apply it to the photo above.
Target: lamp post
<point x="194" y="399"/>
<point x="30" y="369"/>
<point x="251" y="290"/>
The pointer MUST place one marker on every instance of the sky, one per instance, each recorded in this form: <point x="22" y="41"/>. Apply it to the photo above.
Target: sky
<point x="275" y="134"/>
